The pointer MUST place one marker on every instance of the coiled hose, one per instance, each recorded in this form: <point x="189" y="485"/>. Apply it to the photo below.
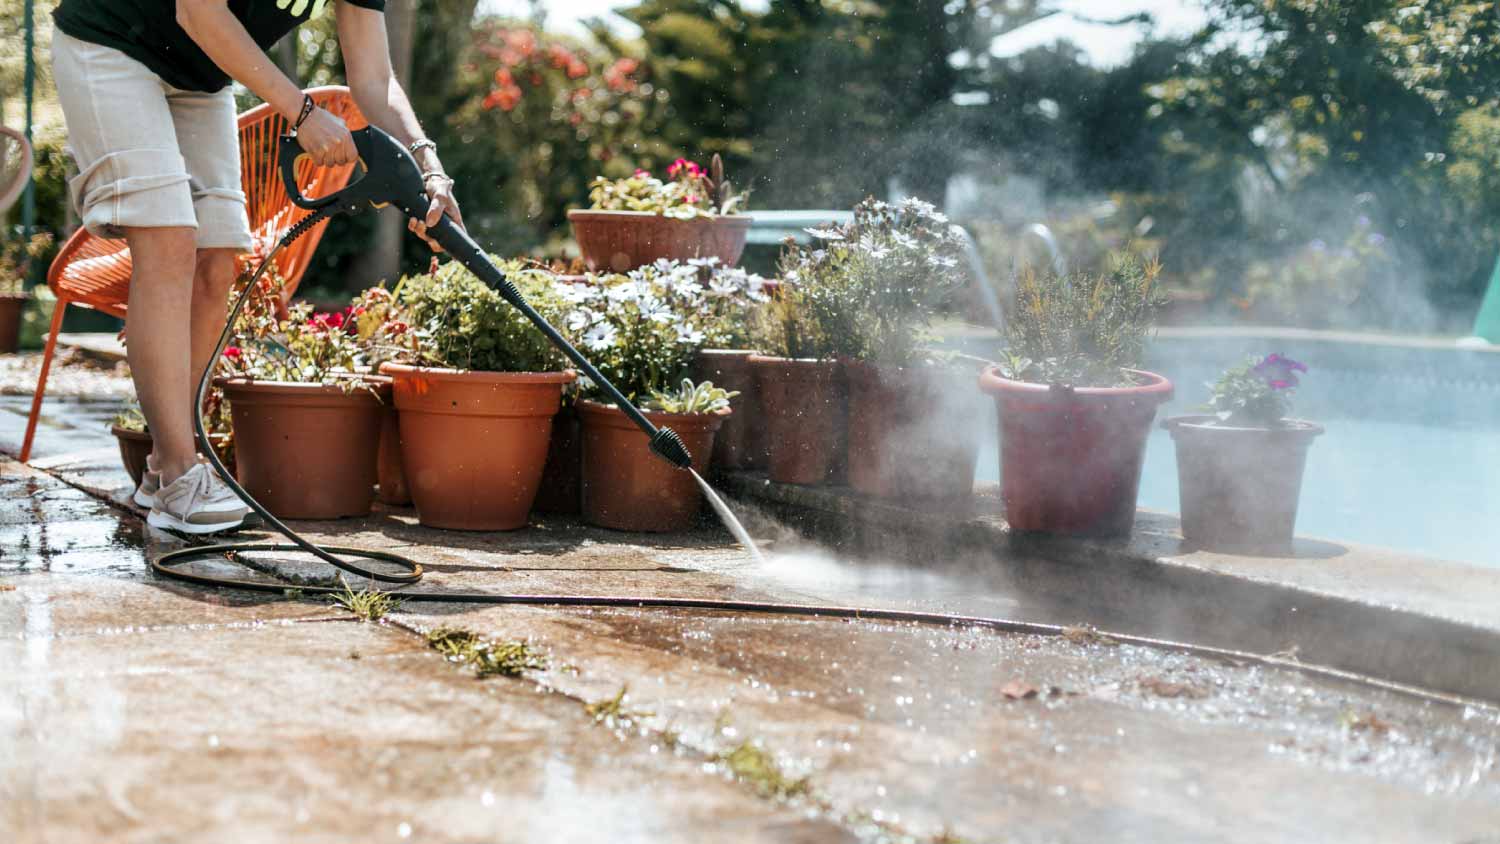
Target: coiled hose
<point x="409" y="571"/>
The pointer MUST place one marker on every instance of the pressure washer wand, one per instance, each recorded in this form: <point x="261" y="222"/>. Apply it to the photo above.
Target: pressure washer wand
<point x="391" y="177"/>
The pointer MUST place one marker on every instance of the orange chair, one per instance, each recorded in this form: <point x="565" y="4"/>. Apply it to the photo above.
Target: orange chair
<point x="93" y="272"/>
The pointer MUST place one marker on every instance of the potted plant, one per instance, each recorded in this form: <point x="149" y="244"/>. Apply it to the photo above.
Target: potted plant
<point x="381" y="326"/>
<point x="643" y="332"/>
<point x="306" y="423"/>
<point x="1239" y="469"/>
<point x="891" y="269"/>
<point x="129" y="428"/>
<point x="15" y="262"/>
<point x="476" y="397"/>
<point x="1075" y="407"/>
<point x="730" y="296"/>
<point x="639" y="219"/>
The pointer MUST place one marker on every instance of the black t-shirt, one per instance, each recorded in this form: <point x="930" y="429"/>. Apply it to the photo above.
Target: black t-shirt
<point x="147" y="31"/>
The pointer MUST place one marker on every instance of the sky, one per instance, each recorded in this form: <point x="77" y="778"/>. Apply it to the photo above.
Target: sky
<point x="1105" y="46"/>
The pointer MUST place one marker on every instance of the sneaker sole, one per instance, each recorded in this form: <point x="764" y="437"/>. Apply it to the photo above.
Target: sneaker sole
<point x="166" y="521"/>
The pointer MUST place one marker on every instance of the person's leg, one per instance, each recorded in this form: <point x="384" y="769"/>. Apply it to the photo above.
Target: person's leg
<point x="212" y="280"/>
<point x="161" y="288"/>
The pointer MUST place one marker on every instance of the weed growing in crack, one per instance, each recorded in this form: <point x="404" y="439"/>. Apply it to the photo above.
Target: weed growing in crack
<point x="751" y="764"/>
<point x="366" y="604"/>
<point x="612" y="712"/>
<point x="488" y="659"/>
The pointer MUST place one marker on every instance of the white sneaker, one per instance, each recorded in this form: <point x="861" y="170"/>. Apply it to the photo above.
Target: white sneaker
<point x="195" y="503"/>
<point x="145" y="494"/>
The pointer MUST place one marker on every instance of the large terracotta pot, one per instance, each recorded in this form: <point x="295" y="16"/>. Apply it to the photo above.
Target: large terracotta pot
<point x="11" y="309"/>
<point x="805" y="404"/>
<point x="1239" y="487"/>
<point x="913" y="433"/>
<point x="473" y="444"/>
<point x="620" y="241"/>
<point x="135" y="447"/>
<point x="626" y="486"/>
<point x="306" y="451"/>
<point x="741" y="443"/>
<point x="1071" y="458"/>
<point x="562" y="479"/>
<point x="390" y="475"/>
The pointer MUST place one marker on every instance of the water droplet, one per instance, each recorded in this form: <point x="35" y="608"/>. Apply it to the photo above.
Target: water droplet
<point x="404" y="830"/>
<point x="487" y="798"/>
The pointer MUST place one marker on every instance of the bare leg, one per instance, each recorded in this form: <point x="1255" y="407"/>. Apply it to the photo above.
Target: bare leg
<point x="211" y="284"/>
<point x="157" y="327"/>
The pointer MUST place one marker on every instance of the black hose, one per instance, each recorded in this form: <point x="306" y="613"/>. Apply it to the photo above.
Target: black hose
<point x="411" y="571"/>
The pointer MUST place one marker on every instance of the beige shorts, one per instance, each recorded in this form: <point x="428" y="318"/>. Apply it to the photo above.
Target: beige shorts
<point x="149" y="155"/>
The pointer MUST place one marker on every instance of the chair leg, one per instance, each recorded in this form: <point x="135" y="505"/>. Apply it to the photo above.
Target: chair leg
<point x="41" y="381"/>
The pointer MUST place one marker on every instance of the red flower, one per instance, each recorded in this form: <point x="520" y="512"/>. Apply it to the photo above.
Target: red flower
<point x="234" y="353"/>
<point x="577" y="69"/>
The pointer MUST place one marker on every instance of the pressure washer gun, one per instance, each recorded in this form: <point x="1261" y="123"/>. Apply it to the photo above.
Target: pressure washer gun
<point x="390" y="176"/>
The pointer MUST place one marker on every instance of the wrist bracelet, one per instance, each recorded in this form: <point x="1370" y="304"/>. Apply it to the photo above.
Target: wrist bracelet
<point x="437" y="174"/>
<point x="307" y="109"/>
<point x="421" y="144"/>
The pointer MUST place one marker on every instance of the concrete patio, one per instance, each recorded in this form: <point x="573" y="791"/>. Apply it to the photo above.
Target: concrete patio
<point x="145" y="710"/>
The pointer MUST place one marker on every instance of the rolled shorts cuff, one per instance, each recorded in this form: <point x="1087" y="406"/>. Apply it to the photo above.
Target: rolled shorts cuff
<point x="222" y="219"/>
<point x="130" y="188"/>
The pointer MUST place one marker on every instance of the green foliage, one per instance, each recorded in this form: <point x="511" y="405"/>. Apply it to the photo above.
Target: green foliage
<point x="461" y="323"/>
<point x="753" y="765"/>
<point x="692" y="398"/>
<point x="1256" y="393"/>
<point x="688" y="192"/>
<point x="871" y="286"/>
<point x="130" y="418"/>
<point x="1083" y="329"/>
<point x="366" y="604"/>
<point x="18" y="259"/>
<point x="488" y="659"/>
<point x="304" y="348"/>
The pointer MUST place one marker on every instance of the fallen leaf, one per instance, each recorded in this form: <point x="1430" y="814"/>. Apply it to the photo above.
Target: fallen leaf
<point x="1166" y="688"/>
<point x="1018" y="690"/>
<point x="1369" y="721"/>
<point x="7" y="588"/>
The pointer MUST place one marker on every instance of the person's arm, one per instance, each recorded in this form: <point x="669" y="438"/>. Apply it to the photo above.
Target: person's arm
<point x="372" y="81"/>
<point x="221" y="35"/>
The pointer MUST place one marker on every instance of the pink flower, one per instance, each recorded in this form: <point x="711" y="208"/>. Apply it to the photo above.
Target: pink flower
<point x="642" y="173"/>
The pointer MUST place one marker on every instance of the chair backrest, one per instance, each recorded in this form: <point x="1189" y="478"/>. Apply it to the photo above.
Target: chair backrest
<point x="95" y="272"/>
<point x="15" y="166"/>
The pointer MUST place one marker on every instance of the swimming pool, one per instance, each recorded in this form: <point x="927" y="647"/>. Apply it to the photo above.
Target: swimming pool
<point x="1411" y="457"/>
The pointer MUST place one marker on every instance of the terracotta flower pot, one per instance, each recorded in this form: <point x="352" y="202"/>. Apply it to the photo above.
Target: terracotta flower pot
<point x="912" y="432"/>
<point x="741" y="443"/>
<point x="626" y="486"/>
<point x="11" y="309"/>
<point x="1239" y="487"/>
<point x="135" y="446"/>
<point x="473" y="444"/>
<point x="1071" y="458"/>
<point x="805" y="404"/>
<point x="390" y="476"/>
<point x="620" y="241"/>
<point x="306" y="451"/>
<point x="562" y="479"/>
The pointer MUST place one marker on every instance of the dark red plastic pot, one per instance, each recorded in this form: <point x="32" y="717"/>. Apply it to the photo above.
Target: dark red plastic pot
<point x="562" y="479"/>
<point x="625" y="485"/>
<point x="12" y="307"/>
<point x="1238" y="487"/>
<point x="741" y="443"/>
<point x="306" y="451"/>
<point x="912" y="432"/>
<point x="1070" y="459"/>
<point x="806" y="407"/>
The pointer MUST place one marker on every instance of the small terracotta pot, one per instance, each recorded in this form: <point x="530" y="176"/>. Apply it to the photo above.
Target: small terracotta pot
<point x="390" y="476"/>
<point x="473" y="444"/>
<point x="562" y="479"/>
<point x="1070" y="459"/>
<point x="626" y="486"/>
<point x="805" y="404"/>
<point x="1238" y="487"/>
<point x="306" y="451"/>
<point x="135" y="446"/>
<point x="620" y="241"/>
<point x="913" y="433"/>
<point x="741" y="443"/>
<point x="11" y="309"/>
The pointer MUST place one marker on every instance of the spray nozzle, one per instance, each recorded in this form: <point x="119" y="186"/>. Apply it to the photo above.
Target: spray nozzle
<point x="669" y="447"/>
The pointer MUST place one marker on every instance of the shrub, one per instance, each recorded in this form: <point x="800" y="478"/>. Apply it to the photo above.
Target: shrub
<point x="1083" y="329"/>
<point x="459" y="322"/>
